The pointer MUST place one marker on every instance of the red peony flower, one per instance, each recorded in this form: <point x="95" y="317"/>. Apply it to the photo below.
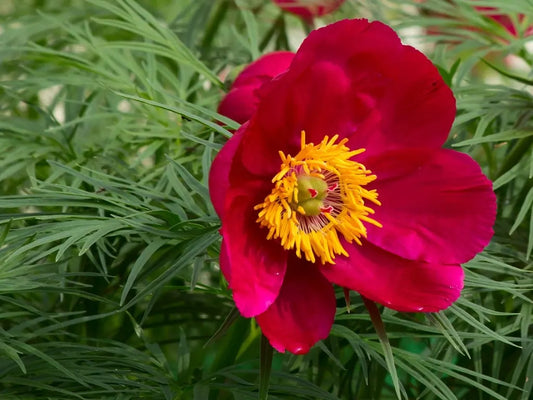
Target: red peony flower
<point x="308" y="9"/>
<point x="339" y="177"/>
<point x="241" y="101"/>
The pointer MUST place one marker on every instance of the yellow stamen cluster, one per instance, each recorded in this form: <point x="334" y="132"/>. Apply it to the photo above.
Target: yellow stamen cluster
<point x="342" y="208"/>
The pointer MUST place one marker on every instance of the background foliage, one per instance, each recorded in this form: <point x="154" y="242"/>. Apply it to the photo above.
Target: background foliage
<point x="109" y="284"/>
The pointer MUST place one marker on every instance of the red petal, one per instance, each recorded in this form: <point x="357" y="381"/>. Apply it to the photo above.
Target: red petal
<point x="241" y="101"/>
<point x="305" y="103"/>
<point x="395" y="282"/>
<point x="315" y="8"/>
<point x="219" y="172"/>
<point x="303" y="312"/>
<point x="355" y="79"/>
<point x="264" y="68"/>
<point x="417" y="109"/>
<point x="225" y="265"/>
<point x="239" y="104"/>
<point x="256" y="266"/>
<point x="437" y="206"/>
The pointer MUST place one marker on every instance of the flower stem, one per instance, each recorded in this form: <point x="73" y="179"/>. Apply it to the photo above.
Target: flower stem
<point x="266" y="367"/>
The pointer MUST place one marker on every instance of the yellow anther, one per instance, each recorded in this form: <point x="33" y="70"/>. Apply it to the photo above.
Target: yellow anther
<point x="318" y="197"/>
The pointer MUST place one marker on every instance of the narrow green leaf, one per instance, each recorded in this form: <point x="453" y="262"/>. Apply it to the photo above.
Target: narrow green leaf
<point x="222" y="329"/>
<point x="424" y="375"/>
<point x="190" y="180"/>
<point x="478" y="325"/>
<point x="140" y="21"/>
<point x="530" y="237"/>
<point x="446" y="328"/>
<point x="32" y="350"/>
<point x="528" y="386"/>
<point x="181" y="111"/>
<point x="110" y="227"/>
<point x="521" y="370"/>
<point x="508" y="74"/>
<point x="526" y="207"/>
<point x="504" y="136"/>
<point x="146" y="254"/>
<point x="332" y="357"/>
<point x="251" y="29"/>
<point x="356" y="342"/>
<point x="507" y="177"/>
<point x="13" y="354"/>
<point x="375" y="316"/>
<point x="5" y="231"/>
<point x="193" y="248"/>
<point x="464" y="374"/>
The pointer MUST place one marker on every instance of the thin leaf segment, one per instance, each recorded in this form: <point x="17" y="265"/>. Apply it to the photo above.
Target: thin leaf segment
<point x="319" y="197"/>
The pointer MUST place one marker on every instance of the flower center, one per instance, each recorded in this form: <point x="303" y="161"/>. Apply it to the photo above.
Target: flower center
<point x="312" y="191"/>
<point x="319" y="197"/>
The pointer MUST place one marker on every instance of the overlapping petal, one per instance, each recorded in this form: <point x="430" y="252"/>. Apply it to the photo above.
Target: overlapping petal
<point x="355" y="79"/>
<point x="256" y="265"/>
<point x="241" y="101"/>
<point x="400" y="284"/>
<point x="220" y="169"/>
<point x="264" y="68"/>
<point x="304" y="311"/>
<point x="239" y="104"/>
<point x="437" y="206"/>
<point x="308" y="9"/>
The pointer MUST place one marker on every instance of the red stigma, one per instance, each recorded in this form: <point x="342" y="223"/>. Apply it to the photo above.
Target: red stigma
<point x="327" y="209"/>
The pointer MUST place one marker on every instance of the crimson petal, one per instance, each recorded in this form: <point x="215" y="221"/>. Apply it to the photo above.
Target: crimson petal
<point x="241" y="101"/>
<point x="437" y="206"/>
<point x="255" y="267"/>
<point x="395" y="282"/>
<point x="264" y="68"/>
<point x="219" y="172"/>
<point x="304" y="311"/>
<point x="355" y="79"/>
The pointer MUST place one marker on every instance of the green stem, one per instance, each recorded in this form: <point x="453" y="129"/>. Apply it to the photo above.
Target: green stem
<point x="347" y="299"/>
<point x="266" y="367"/>
<point x="278" y="23"/>
<point x="516" y="154"/>
<point x="282" y="41"/>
